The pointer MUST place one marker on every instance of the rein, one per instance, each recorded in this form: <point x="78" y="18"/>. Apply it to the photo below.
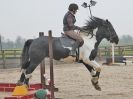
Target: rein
<point x="89" y="33"/>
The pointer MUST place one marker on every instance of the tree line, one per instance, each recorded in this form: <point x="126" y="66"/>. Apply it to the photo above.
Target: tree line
<point x="126" y="40"/>
<point x="9" y="44"/>
<point x="123" y="40"/>
<point x="19" y="42"/>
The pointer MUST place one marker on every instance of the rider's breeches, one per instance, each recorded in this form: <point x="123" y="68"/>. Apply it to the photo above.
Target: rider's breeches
<point x="74" y="35"/>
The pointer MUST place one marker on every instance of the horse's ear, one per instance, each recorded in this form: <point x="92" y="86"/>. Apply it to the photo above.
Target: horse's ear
<point x="107" y="20"/>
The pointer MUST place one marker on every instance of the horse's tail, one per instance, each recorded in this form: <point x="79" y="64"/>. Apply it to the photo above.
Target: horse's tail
<point x="25" y="56"/>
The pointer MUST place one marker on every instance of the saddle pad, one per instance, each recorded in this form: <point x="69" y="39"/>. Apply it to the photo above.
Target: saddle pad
<point x="66" y="41"/>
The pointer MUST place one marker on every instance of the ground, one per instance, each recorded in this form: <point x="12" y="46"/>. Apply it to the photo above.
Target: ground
<point x="73" y="81"/>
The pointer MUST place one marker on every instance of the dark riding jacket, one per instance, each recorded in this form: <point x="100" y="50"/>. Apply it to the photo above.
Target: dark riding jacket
<point x="69" y="21"/>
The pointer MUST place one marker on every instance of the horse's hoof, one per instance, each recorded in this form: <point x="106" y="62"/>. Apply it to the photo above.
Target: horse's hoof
<point x="27" y="86"/>
<point x="96" y="85"/>
<point x="19" y="83"/>
<point x="98" y="88"/>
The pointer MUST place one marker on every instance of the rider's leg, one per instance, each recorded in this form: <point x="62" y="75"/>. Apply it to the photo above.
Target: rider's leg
<point x="73" y="51"/>
<point x="79" y="41"/>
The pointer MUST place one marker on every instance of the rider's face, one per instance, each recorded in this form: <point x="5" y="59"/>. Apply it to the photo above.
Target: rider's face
<point x="75" y="11"/>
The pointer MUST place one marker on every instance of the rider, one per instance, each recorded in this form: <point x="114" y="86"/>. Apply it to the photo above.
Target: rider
<point x="69" y="27"/>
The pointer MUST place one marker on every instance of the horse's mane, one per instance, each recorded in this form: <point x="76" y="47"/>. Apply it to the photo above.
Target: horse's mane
<point x="93" y="22"/>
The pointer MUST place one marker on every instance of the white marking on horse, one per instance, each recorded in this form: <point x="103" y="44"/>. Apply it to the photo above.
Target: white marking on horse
<point x="28" y="76"/>
<point x="93" y="73"/>
<point x="86" y="49"/>
<point x="70" y="48"/>
<point x="23" y="71"/>
<point x="95" y="31"/>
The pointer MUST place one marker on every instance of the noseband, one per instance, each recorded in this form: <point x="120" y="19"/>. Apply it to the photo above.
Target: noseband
<point x="89" y="33"/>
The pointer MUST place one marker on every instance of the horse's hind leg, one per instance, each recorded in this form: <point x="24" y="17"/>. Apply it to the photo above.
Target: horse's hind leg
<point x="21" y="80"/>
<point x="22" y="77"/>
<point x="28" y="72"/>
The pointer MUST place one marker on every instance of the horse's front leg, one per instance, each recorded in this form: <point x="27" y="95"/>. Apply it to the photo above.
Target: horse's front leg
<point x="95" y="70"/>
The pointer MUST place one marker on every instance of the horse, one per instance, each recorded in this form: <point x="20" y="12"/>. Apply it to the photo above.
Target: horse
<point x="94" y="31"/>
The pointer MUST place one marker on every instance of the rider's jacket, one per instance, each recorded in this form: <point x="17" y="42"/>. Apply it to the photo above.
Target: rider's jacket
<point x="68" y="22"/>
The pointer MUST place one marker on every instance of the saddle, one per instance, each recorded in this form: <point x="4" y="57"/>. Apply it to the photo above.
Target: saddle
<point x="66" y="41"/>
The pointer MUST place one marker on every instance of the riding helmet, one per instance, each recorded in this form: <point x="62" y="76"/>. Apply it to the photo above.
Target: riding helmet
<point x="73" y="7"/>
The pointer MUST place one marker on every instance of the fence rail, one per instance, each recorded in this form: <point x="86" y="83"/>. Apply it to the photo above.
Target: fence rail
<point x="6" y="56"/>
<point x="103" y="51"/>
<point x="119" y="50"/>
<point x="10" y="53"/>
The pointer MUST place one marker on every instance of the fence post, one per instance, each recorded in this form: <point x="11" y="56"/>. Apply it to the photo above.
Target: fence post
<point x="105" y="51"/>
<point x="42" y="66"/>
<point x="3" y="58"/>
<point x="15" y="53"/>
<point x="99" y="50"/>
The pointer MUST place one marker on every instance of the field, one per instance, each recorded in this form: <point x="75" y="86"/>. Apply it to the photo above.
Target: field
<point x="73" y="81"/>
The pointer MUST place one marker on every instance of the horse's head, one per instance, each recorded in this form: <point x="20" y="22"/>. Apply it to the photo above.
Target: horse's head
<point x="104" y="29"/>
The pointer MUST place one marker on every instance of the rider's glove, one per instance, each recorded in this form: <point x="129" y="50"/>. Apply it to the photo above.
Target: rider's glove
<point x="78" y="28"/>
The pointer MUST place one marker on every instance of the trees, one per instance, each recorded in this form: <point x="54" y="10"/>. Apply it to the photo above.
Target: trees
<point x="123" y="40"/>
<point x="126" y="39"/>
<point x="9" y="44"/>
<point x="19" y="42"/>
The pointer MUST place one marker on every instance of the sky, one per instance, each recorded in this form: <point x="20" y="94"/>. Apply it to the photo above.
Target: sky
<point x="26" y="18"/>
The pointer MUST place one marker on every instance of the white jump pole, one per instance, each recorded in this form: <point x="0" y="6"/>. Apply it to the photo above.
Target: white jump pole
<point x="113" y="54"/>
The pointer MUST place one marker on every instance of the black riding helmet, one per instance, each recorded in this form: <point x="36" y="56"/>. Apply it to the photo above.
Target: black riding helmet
<point x="73" y="7"/>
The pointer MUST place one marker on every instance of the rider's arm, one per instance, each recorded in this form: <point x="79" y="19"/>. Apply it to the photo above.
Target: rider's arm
<point x="71" y="23"/>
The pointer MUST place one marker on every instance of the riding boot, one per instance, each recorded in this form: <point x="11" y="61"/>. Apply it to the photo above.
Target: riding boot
<point x="73" y="51"/>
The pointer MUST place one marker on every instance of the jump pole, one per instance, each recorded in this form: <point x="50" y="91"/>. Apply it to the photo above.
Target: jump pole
<point x="113" y="54"/>
<point x="51" y="65"/>
<point x="42" y="67"/>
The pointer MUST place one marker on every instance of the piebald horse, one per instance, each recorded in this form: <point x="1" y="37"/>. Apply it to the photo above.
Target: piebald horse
<point x="94" y="31"/>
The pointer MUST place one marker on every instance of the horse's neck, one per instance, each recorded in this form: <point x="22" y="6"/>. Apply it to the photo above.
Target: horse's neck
<point x="89" y="42"/>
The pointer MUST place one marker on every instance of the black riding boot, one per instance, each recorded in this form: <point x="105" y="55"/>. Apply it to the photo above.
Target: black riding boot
<point x="73" y="51"/>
